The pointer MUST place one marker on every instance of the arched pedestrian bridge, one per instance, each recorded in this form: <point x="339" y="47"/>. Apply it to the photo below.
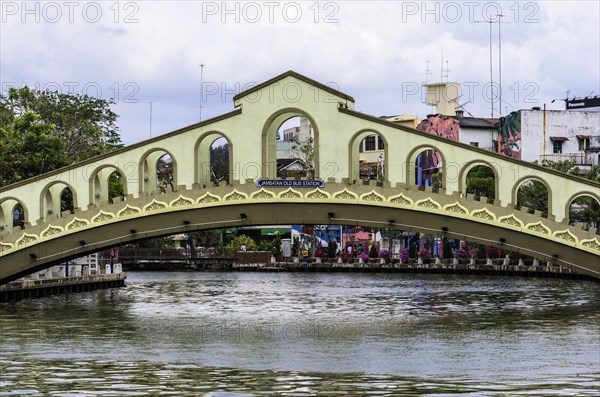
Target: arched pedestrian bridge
<point x="49" y="237"/>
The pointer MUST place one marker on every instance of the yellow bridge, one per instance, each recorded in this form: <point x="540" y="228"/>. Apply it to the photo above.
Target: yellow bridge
<point x="49" y="237"/>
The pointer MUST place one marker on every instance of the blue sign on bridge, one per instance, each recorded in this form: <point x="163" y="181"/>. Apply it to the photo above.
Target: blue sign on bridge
<point x="308" y="183"/>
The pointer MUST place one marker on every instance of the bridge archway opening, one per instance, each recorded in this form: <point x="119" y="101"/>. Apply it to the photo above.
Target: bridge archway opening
<point x="295" y="149"/>
<point x="534" y="194"/>
<point x="18" y="216"/>
<point x="56" y="198"/>
<point x="214" y="159"/>
<point x="159" y="171"/>
<point x="429" y="167"/>
<point x="480" y="180"/>
<point x="290" y="145"/>
<point x="368" y="156"/>
<point x="585" y="209"/>
<point x="12" y="213"/>
<point x="107" y="183"/>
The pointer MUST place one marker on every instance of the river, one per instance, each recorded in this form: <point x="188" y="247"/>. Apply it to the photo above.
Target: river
<point x="227" y="334"/>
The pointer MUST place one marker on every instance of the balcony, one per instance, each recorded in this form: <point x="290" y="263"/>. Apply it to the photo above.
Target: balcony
<point x="580" y="158"/>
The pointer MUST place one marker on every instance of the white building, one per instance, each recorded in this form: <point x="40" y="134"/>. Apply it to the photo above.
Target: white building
<point x="559" y="135"/>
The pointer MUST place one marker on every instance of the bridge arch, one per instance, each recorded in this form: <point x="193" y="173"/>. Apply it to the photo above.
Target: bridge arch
<point x="269" y="139"/>
<point x="99" y="182"/>
<point x="469" y="166"/>
<point x="51" y="198"/>
<point x="517" y="185"/>
<point x="148" y="167"/>
<point x="354" y="145"/>
<point x="412" y="169"/>
<point x="579" y="195"/>
<point x="7" y="208"/>
<point x="202" y="156"/>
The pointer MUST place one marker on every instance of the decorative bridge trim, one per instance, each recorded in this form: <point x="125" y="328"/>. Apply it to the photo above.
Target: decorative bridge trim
<point x="340" y="193"/>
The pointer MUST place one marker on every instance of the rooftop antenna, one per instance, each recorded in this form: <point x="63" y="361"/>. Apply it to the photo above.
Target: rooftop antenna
<point x="499" y="63"/>
<point x="427" y="72"/>
<point x="464" y="109"/>
<point x="447" y="73"/>
<point x="442" y="68"/>
<point x="201" y="91"/>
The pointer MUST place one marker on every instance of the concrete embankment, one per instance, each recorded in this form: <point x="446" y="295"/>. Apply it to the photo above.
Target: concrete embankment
<point x="17" y="290"/>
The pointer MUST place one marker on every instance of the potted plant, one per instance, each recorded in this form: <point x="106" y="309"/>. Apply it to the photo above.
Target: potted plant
<point x="386" y="255"/>
<point x="404" y="255"/>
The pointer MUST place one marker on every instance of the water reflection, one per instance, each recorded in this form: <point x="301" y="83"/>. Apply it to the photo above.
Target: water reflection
<point x="296" y="334"/>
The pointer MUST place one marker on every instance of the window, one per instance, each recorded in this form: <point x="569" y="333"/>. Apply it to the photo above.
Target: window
<point x="370" y="143"/>
<point x="380" y="143"/>
<point x="557" y="146"/>
<point x="584" y="143"/>
<point x="475" y="144"/>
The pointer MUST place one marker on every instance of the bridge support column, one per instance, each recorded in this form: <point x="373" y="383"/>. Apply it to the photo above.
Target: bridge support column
<point x="149" y="181"/>
<point x="557" y="209"/>
<point x="52" y="201"/>
<point x="101" y="184"/>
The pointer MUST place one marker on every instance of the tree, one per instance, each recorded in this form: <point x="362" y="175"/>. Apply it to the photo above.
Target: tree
<point x="219" y="163"/>
<point x="306" y="154"/>
<point x="29" y="148"/>
<point x="164" y="174"/>
<point x="533" y="195"/>
<point x="41" y="131"/>
<point x="240" y="240"/>
<point x="481" y="182"/>
<point x="584" y="209"/>
<point x="85" y="124"/>
<point x="115" y="186"/>
<point x="566" y="166"/>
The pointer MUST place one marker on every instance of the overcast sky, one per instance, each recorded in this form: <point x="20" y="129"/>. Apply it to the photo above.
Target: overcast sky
<point x="377" y="51"/>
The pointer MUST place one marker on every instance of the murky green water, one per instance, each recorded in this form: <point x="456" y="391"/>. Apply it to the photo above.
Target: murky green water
<point x="285" y="334"/>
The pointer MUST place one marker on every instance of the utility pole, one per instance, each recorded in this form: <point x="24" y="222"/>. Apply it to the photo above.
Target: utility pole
<point x="201" y="91"/>
<point x="150" y="118"/>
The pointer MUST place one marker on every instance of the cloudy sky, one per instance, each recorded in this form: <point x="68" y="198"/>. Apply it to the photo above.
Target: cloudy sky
<point x="139" y="52"/>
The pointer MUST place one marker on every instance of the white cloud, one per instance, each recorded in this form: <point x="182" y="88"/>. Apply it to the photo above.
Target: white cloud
<point x="369" y="50"/>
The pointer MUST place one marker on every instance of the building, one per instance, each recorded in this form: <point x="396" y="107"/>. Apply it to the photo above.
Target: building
<point x="557" y="135"/>
<point x="529" y="134"/>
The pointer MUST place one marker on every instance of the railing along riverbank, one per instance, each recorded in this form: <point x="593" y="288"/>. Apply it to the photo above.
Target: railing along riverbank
<point x="432" y="268"/>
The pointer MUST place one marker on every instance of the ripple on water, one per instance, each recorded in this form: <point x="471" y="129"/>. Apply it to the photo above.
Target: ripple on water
<point x="306" y="334"/>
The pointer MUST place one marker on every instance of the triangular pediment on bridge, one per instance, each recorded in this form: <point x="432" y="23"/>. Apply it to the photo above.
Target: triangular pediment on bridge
<point x="292" y="76"/>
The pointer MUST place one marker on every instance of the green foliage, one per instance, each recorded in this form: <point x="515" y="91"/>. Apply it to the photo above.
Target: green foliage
<point x="115" y="186"/>
<point x="594" y="174"/>
<point x="306" y="154"/>
<point x="158" y="242"/>
<point x="219" y="163"/>
<point x="437" y="179"/>
<point x="447" y="252"/>
<point x="66" y="200"/>
<point x="566" y="166"/>
<point x="41" y="131"/>
<point x="412" y="251"/>
<point x="331" y="249"/>
<point x="481" y="182"/>
<point x="295" y="246"/>
<point x="274" y="246"/>
<point x="373" y="251"/>
<point x="534" y="195"/>
<point x="85" y="124"/>
<point x="240" y="240"/>
<point x="165" y="178"/>
<point x="29" y="148"/>
<point x="481" y="251"/>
